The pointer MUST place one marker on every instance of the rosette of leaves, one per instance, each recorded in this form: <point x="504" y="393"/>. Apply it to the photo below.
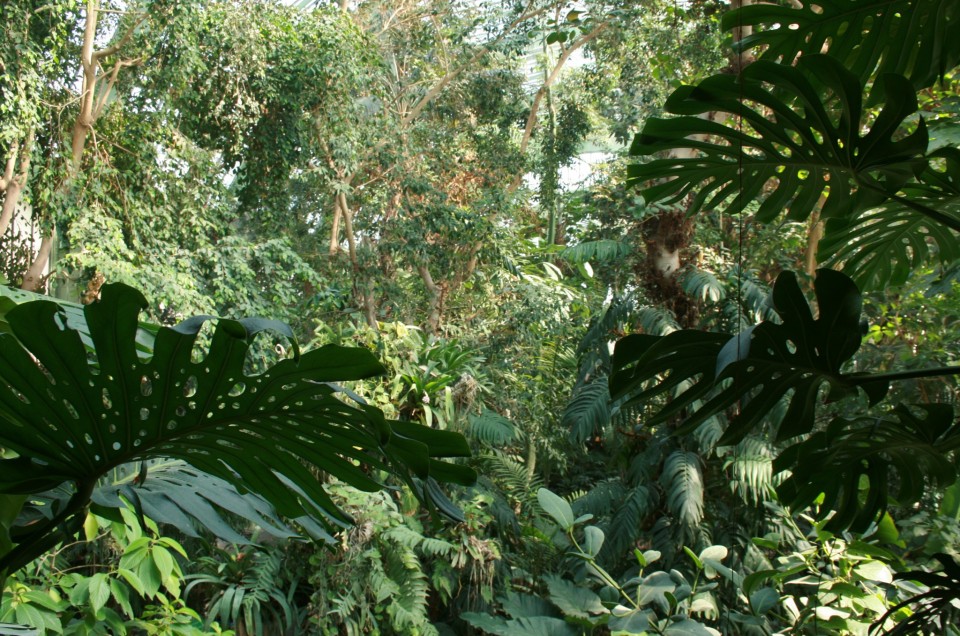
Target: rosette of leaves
<point x="82" y="393"/>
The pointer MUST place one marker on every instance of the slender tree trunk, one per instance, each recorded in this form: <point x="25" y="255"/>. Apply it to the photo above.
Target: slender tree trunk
<point x="335" y="227"/>
<point x="434" y="299"/>
<point x="89" y="112"/>
<point x="13" y="183"/>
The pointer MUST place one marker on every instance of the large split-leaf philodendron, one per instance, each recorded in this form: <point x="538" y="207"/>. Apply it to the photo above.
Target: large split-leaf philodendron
<point x="82" y="393"/>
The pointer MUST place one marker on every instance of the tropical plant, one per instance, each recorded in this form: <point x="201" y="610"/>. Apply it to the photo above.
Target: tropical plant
<point x="890" y="206"/>
<point x="137" y="588"/>
<point x="658" y="602"/>
<point x="83" y="397"/>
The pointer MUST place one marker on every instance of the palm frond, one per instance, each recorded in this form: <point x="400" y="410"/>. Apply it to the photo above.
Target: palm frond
<point x="751" y="469"/>
<point x="604" y="250"/>
<point x="627" y="523"/>
<point x="656" y="321"/>
<point x="702" y="284"/>
<point x="491" y="428"/>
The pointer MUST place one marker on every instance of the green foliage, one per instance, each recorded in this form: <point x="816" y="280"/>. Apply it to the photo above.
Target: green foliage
<point x="139" y="593"/>
<point x="206" y="411"/>
<point x="887" y="34"/>
<point x="246" y="590"/>
<point x="791" y="361"/>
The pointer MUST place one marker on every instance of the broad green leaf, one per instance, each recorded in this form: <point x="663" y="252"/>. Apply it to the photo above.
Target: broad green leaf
<point x="916" y="38"/>
<point x="787" y="153"/>
<point x="592" y="540"/>
<point x="573" y="599"/>
<point x="99" y="591"/>
<point x="686" y="627"/>
<point x="756" y="369"/>
<point x="884" y="245"/>
<point x="763" y="600"/>
<point x="74" y="411"/>
<point x="653" y="589"/>
<point x="915" y="443"/>
<point x="556" y="507"/>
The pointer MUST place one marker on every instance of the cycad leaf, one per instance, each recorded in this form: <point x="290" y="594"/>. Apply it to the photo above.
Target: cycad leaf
<point x="758" y="368"/>
<point x="915" y="38"/>
<point x="588" y="411"/>
<point x="702" y="284"/>
<point x="71" y="419"/>
<point x="489" y="427"/>
<point x="795" y="151"/>
<point x="917" y="445"/>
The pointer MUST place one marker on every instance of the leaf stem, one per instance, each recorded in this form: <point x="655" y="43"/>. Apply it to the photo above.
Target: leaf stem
<point x="902" y="375"/>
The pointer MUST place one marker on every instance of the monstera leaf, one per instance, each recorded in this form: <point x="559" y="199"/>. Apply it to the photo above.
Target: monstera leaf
<point x="72" y="411"/>
<point x="839" y="460"/>
<point x="756" y="369"/>
<point x="915" y="38"/>
<point x="170" y="491"/>
<point x="883" y="246"/>
<point x="800" y="139"/>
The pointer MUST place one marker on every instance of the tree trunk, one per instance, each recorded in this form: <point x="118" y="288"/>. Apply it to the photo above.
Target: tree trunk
<point x="434" y="299"/>
<point x="13" y="184"/>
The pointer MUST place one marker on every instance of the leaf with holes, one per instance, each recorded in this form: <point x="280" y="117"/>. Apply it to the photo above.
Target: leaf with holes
<point x="764" y="364"/>
<point x="799" y="139"/>
<point x="885" y="245"/>
<point x="72" y="412"/>
<point x="851" y="463"/>
<point x="916" y="38"/>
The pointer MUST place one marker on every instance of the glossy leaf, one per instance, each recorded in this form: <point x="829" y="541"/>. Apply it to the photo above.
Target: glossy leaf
<point x="756" y="369"/>
<point x="789" y="151"/>
<point x="882" y="246"/>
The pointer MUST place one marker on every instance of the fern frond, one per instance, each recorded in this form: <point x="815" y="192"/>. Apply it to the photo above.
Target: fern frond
<point x="588" y="411"/>
<point x="751" y="469"/>
<point x="602" y="499"/>
<point x="602" y="250"/>
<point x="492" y="428"/>
<point x="702" y="284"/>
<point x="708" y="434"/>
<point x="627" y="522"/>
<point x="656" y="321"/>
<point x="510" y="474"/>
<point x="682" y="483"/>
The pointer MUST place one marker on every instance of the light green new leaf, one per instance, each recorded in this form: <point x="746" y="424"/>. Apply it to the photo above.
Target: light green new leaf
<point x="557" y="507"/>
<point x="915" y="38"/>
<point x="787" y="153"/>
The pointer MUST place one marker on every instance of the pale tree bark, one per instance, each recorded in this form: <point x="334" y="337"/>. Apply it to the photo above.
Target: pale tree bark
<point x="545" y="87"/>
<point x="14" y="180"/>
<point x="90" y="110"/>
